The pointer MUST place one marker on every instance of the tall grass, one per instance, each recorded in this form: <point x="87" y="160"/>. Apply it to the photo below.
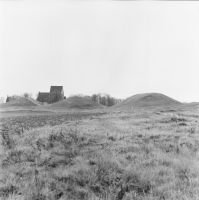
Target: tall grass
<point x="104" y="158"/>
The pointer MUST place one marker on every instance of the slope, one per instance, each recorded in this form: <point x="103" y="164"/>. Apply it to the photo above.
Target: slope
<point x="35" y="101"/>
<point x="147" y="100"/>
<point x="21" y="102"/>
<point x="194" y="105"/>
<point x="75" y="103"/>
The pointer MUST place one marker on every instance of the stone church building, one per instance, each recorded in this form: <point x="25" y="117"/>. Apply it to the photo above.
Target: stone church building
<point x="56" y="94"/>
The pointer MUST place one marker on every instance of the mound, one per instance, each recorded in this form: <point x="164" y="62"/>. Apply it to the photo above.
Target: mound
<point x="21" y="102"/>
<point x="35" y="101"/>
<point x="76" y="103"/>
<point x="190" y="106"/>
<point x="147" y="100"/>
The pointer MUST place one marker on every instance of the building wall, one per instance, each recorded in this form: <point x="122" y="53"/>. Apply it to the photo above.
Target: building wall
<point x="62" y="94"/>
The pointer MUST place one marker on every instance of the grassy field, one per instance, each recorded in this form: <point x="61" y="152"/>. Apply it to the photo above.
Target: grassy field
<point x="118" y="155"/>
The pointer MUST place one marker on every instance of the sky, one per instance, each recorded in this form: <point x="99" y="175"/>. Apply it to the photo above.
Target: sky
<point x="121" y="48"/>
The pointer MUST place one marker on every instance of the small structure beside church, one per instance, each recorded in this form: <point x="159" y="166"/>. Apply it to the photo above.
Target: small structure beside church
<point x="56" y="94"/>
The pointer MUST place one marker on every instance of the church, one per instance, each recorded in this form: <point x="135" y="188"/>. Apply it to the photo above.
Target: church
<point x="56" y="94"/>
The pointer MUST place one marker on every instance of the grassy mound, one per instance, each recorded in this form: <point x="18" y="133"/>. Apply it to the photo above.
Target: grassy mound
<point x="35" y="101"/>
<point x="21" y="102"/>
<point x="76" y="103"/>
<point x="194" y="105"/>
<point x="147" y="100"/>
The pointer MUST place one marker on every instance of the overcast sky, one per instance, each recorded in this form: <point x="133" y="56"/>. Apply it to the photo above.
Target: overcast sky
<point x="120" y="48"/>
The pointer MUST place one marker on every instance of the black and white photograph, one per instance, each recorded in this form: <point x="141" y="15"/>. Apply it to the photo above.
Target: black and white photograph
<point x="99" y="100"/>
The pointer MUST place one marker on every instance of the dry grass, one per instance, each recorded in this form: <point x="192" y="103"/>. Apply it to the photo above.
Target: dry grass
<point x="118" y="156"/>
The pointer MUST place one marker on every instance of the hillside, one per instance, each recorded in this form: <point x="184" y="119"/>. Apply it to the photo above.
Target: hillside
<point x="35" y="101"/>
<point x="75" y="103"/>
<point x="194" y="105"/>
<point x="20" y="103"/>
<point x="147" y="100"/>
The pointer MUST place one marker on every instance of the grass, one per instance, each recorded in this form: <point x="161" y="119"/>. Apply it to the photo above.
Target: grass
<point x="121" y="155"/>
<point x="75" y="103"/>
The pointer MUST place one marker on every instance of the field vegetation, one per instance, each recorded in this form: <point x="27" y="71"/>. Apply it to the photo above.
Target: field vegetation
<point x="118" y="155"/>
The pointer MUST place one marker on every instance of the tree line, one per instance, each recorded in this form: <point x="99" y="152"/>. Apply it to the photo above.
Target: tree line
<point x="104" y="99"/>
<point x="12" y="97"/>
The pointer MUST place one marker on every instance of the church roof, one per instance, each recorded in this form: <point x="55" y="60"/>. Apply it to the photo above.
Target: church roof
<point x="56" y="88"/>
<point x="43" y="96"/>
